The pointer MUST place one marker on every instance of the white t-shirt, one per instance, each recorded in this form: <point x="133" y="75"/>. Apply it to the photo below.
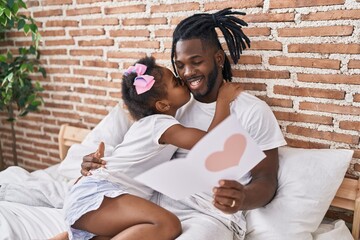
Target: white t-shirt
<point x="255" y="116"/>
<point x="139" y="151"/>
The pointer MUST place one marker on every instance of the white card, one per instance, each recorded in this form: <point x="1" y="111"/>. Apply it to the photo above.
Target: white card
<point x="227" y="152"/>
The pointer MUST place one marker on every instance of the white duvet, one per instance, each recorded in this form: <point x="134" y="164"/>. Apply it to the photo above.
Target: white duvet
<point x="19" y="221"/>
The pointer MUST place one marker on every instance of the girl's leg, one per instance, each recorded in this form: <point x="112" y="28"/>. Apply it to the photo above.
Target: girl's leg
<point x="130" y="217"/>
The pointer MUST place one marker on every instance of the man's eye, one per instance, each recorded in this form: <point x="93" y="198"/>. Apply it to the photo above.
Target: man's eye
<point x="197" y="63"/>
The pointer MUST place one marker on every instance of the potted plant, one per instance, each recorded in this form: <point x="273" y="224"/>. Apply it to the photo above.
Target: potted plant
<point x="19" y="95"/>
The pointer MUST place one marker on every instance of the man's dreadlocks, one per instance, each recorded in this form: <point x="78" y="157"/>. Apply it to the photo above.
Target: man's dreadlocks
<point x="202" y="26"/>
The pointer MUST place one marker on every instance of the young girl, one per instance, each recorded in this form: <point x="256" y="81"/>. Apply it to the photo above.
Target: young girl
<point x="109" y="203"/>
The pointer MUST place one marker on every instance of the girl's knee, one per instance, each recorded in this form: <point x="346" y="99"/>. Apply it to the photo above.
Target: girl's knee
<point x="170" y="226"/>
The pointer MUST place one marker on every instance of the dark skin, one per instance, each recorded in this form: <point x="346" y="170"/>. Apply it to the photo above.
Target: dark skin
<point x="196" y="65"/>
<point x="196" y="62"/>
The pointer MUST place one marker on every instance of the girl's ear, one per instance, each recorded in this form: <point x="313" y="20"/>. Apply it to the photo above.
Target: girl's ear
<point x="220" y="57"/>
<point x="162" y="106"/>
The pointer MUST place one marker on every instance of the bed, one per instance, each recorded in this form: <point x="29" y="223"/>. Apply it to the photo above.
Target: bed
<point x="296" y="212"/>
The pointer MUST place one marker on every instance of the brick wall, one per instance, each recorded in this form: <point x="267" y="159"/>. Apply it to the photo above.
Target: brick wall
<point x="304" y="62"/>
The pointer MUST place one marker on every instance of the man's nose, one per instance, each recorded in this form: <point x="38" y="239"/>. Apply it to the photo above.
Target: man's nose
<point x="188" y="71"/>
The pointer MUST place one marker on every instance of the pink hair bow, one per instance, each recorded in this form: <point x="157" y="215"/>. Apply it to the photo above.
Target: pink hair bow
<point x="142" y="83"/>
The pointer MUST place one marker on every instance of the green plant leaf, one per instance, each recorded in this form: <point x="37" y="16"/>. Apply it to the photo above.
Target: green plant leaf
<point x="22" y="4"/>
<point x="3" y="21"/>
<point x="21" y="24"/>
<point x="33" y="28"/>
<point x="8" y="13"/>
<point x="3" y="58"/>
<point x="10" y="3"/>
<point x="43" y="71"/>
<point x="26" y="28"/>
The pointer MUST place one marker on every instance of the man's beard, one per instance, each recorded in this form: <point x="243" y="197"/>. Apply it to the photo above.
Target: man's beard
<point x="211" y="80"/>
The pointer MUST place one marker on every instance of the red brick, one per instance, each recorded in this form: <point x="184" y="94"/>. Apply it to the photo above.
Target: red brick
<point x="305" y="62"/>
<point x="331" y="108"/>
<point x="140" y="44"/>
<point x="63" y="23"/>
<point x="357" y="98"/>
<point x="309" y="92"/>
<point x="306" y="144"/>
<point x="59" y="42"/>
<point x="69" y="80"/>
<point x="180" y="7"/>
<point x="56" y="2"/>
<point x="130" y="33"/>
<point x="254" y="86"/>
<point x="164" y="33"/>
<point x="64" y="62"/>
<point x="48" y="13"/>
<point x="159" y="55"/>
<point x="234" y="4"/>
<point x="266" y="45"/>
<point x="258" y="31"/>
<point x="91" y="110"/>
<point x="66" y="115"/>
<point x="267" y="74"/>
<point x="354" y="64"/>
<point x="83" y="11"/>
<point x="325" y="48"/>
<point x="109" y="84"/>
<point x="87" y="90"/>
<point x="98" y="42"/>
<point x="57" y="70"/>
<point x="92" y="1"/>
<point x="277" y="102"/>
<point x="87" y="32"/>
<point x="125" y="9"/>
<point x="100" y="102"/>
<point x="52" y="33"/>
<point x="59" y="105"/>
<point x="67" y="98"/>
<point x="269" y="17"/>
<point x="332" y="15"/>
<point x="330" y="136"/>
<point x="249" y="59"/>
<point x="350" y="125"/>
<point x="100" y="22"/>
<point x="316" y="31"/>
<point x="134" y="55"/>
<point x="87" y="52"/>
<point x="101" y="64"/>
<point x="303" y="3"/>
<point x="329" y="78"/>
<point x="144" y="21"/>
<point x="300" y="117"/>
<point x="88" y="72"/>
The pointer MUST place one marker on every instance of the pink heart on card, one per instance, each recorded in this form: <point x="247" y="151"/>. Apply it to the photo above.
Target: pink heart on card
<point x="234" y="149"/>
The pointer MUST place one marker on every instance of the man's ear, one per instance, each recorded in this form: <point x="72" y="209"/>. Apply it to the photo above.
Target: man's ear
<point x="162" y="106"/>
<point x="220" y="57"/>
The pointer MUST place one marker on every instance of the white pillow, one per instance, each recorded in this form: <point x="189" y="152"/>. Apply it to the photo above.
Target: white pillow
<point x="308" y="181"/>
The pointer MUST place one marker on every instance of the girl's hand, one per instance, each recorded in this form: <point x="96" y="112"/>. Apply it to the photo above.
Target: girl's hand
<point x="228" y="92"/>
<point x="93" y="160"/>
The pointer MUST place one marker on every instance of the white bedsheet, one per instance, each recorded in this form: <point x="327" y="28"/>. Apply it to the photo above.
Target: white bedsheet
<point x="19" y="221"/>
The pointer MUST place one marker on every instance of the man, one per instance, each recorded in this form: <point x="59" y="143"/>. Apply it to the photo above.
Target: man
<point x="200" y="61"/>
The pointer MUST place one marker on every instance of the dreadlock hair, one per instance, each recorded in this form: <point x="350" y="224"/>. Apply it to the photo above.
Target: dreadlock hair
<point x="202" y="26"/>
<point x="142" y="105"/>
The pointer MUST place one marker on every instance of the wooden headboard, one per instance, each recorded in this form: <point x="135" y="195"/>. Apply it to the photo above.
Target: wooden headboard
<point x="347" y="196"/>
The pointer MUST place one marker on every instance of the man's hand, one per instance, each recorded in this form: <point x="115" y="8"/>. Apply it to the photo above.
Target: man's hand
<point x="229" y="196"/>
<point x="93" y="160"/>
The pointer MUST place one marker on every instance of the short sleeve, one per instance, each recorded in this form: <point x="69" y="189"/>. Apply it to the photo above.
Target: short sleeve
<point x="161" y="123"/>
<point x="258" y="119"/>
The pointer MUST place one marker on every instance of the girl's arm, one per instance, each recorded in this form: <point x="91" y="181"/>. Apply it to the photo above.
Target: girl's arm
<point x="186" y="138"/>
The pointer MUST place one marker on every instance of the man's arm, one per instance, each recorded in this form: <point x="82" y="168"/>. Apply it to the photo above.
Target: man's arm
<point x="257" y="193"/>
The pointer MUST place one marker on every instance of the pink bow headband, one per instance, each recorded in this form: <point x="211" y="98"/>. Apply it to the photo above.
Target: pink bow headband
<point x="142" y="83"/>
